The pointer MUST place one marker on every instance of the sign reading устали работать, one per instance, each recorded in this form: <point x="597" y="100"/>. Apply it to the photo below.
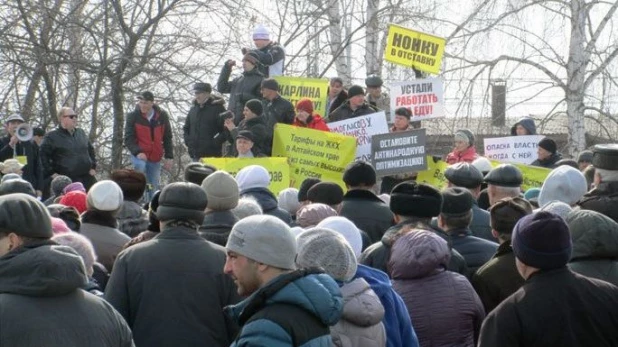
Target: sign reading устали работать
<point x="424" y="97"/>
<point x="400" y="152"/>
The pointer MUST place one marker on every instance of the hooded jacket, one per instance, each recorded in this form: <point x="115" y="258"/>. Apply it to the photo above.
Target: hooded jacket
<point x="399" y="330"/>
<point x="268" y="202"/>
<point x="293" y="309"/>
<point x="527" y="123"/>
<point x="132" y="218"/>
<point x="43" y="305"/>
<point x="242" y="89"/>
<point x="444" y="309"/>
<point x="361" y="321"/>
<point x="217" y="226"/>
<point x="171" y="290"/>
<point x="377" y="255"/>
<point x="202" y="125"/>
<point x="595" y="245"/>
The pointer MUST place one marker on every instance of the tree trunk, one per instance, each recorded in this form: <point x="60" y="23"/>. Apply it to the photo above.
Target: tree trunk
<point x="372" y="51"/>
<point x="118" y="132"/>
<point x="337" y="47"/>
<point x="576" y="75"/>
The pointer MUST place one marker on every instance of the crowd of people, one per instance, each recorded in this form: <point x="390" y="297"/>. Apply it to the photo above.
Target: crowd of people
<point x="220" y="260"/>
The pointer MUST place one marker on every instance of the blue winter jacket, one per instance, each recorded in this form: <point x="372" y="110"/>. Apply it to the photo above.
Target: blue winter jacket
<point x="399" y="330"/>
<point x="314" y="292"/>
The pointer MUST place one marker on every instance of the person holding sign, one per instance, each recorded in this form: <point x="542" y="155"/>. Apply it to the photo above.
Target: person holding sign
<point x="244" y="87"/>
<point x="355" y="106"/>
<point x="252" y="122"/>
<point x="375" y="97"/>
<point x="306" y="118"/>
<point x="464" y="148"/>
<point x="523" y="127"/>
<point x="401" y="123"/>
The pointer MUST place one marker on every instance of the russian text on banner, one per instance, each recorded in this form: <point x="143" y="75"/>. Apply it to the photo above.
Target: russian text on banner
<point x="313" y="153"/>
<point x="296" y="88"/>
<point x="434" y="175"/>
<point x="424" y="97"/>
<point x="362" y="128"/>
<point x="534" y="176"/>
<point x="415" y="49"/>
<point x="512" y="149"/>
<point x="278" y="169"/>
<point x="400" y="152"/>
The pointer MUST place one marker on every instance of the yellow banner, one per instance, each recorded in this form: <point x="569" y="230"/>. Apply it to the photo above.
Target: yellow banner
<point x="534" y="176"/>
<point x="434" y="175"/>
<point x="278" y="169"/>
<point x="313" y="153"/>
<point x="296" y="88"/>
<point x="416" y="49"/>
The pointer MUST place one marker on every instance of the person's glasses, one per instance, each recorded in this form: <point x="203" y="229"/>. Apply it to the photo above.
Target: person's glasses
<point x="72" y="116"/>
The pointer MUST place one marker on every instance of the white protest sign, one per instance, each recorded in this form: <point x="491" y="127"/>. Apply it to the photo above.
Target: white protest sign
<point x="424" y="97"/>
<point x="362" y="128"/>
<point x="513" y="149"/>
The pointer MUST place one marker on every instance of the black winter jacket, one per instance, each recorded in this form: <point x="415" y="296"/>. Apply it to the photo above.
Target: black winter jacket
<point x="33" y="171"/>
<point x="476" y="251"/>
<point x="257" y="126"/>
<point x="603" y="199"/>
<point x="279" y="110"/>
<point x="67" y="154"/>
<point x="242" y="89"/>
<point x="202" y="125"/>
<point x="367" y="212"/>
<point x="217" y="226"/>
<point x="555" y="308"/>
<point x="269" y="55"/>
<point x="344" y="112"/>
<point x="171" y="290"/>
<point x="43" y="304"/>
<point x="549" y="163"/>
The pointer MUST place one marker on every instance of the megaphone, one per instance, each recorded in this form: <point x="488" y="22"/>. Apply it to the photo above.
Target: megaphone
<point x="23" y="132"/>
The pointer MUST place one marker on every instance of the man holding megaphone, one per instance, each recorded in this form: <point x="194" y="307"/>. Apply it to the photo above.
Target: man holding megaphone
<point x="18" y="144"/>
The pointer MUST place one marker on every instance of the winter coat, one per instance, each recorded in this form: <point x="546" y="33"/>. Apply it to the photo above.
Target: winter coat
<point x="202" y="126"/>
<point x="242" y="89"/>
<point x="527" y="123"/>
<point x="377" y="255"/>
<point x="278" y="110"/>
<point x="314" y="121"/>
<point x="33" y="171"/>
<point x="257" y="126"/>
<point x="268" y="202"/>
<point x="498" y="278"/>
<point x="434" y="295"/>
<point x="294" y="309"/>
<point x="43" y="303"/>
<point x="479" y="226"/>
<point x="151" y="137"/>
<point x="107" y="242"/>
<point x="132" y="218"/>
<point x="361" y="320"/>
<point x="549" y="163"/>
<point x="271" y="59"/>
<point x="171" y="290"/>
<point x="595" y="246"/>
<point x="603" y="199"/>
<point x="555" y="308"/>
<point x="399" y="330"/>
<point x="476" y="251"/>
<point x="217" y="226"/>
<point x="368" y="212"/>
<point x="344" y="112"/>
<point x="468" y="155"/>
<point x="382" y="103"/>
<point x="336" y="102"/>
<point x="67" y="154"/>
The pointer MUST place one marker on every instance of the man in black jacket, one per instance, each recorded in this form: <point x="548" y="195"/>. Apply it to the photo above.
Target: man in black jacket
<point x="355" y="106"/>
<point x="68" y="151"/>
<point x="336" y="95"/>
<point x="42" y="281"/>
<point x="203" y="129"/>
<point x="244" y="87"/>
<point x="253" y="122"/>
<point x="276" y="108"/>
<point x="172" y="290"/>
<point x="26" y="152"/>
<point x="604" y="197"/>
<point x="555" y="306"/>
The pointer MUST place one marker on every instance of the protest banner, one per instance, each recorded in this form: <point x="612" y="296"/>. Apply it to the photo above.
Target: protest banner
<point x="534" y="176"/>
<point x="512" y="149"/>
<point x="400" y="152"/>
<point x="434" y="175"/>
<point x="425" y="98"/>
<point x="296" y="88"/>
<point x="362" y="128"/>
<point x="278" y="169"/>
<point x="415" y="49"/>
<point x="313" y="153"/>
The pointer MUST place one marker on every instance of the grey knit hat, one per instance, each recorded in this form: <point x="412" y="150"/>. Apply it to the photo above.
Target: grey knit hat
<point x="221" y="190"/>
<point x="328" y="250"/>
<point x="265" y="239"/>
<point x="59" y="183"/>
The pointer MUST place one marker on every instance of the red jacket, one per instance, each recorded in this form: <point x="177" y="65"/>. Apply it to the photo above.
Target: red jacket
<point x="468" y="155"/>
<point x="315" y="122"/>
<point x="152" y="138"/>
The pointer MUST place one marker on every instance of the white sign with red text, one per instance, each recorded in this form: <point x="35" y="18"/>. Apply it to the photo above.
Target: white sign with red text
<point x="362" y="128"/>
<point x="424" y="97"/>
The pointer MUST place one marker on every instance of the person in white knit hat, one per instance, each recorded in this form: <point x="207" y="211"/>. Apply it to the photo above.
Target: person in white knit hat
<point x="270" y="54"/>
<point x="253" y="181"/>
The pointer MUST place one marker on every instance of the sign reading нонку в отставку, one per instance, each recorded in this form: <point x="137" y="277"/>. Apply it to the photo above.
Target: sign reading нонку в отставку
<point x="400" y="152"/>
<point x="415" y="49"/>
